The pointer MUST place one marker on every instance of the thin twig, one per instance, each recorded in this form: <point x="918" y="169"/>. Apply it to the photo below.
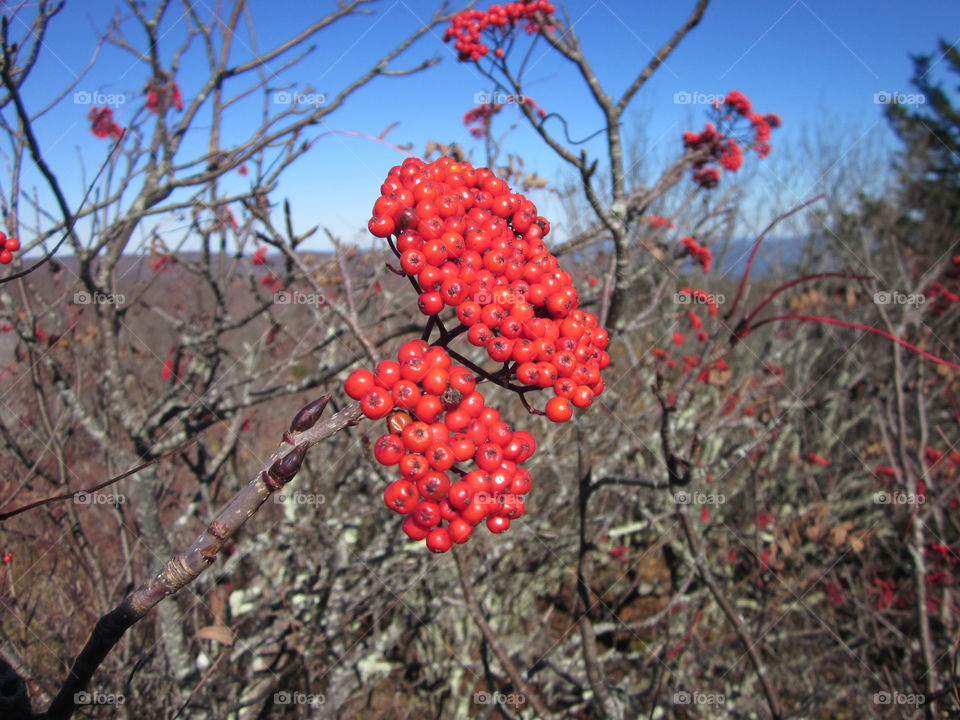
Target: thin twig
<point x="478" y="616"/>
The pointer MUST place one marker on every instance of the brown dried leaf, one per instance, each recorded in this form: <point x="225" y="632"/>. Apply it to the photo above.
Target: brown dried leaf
<point x="217" y="633"/>
<point x="717" y="377"/>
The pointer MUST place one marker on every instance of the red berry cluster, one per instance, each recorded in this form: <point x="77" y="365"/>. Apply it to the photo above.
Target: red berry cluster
<point x="479" y="117"/>
<point x="161" y="94"/>
<point x="259" y="256"/>
<point x="471" y="247"/>
<point x="468" y="26"/>
<point x="941" y="296"/>
<point x="469" y="243"/>
<point x="698" y="252"/>
<point x="660" y="221"/>
<point x="8" y="246"/>
<point x="720" y="147"/>
<point x="102" y="124"/>
<point x="436" y="419"/>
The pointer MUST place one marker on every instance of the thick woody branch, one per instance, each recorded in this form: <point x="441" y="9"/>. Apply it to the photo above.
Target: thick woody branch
<point x="14" y="703"/>
<point x="187" y="566"/>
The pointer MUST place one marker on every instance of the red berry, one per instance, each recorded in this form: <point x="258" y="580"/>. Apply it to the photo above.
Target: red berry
<point x="479" y="334"/>
<point x="417" y="437"/>
<point x="463" y="447"/>
<point x="413" y="529"/>
<point x="412" y="261"/>
<point x="440" y="456"/>
<point x="437" y="357"/>
<point x="499" y="348"/>
<point x="388" y="450"/>
<point x="498" y="523"/>
<point x="411" y="349"/>
<point x="472" y="404"/>
<point x="559" y="410"/>
<point x="439" y="540"/>
<point x="460" y="530"/>
<point x="460" y="494"/>
<point x="457" y="420"/>
<point x="468" y="313"/>
<point x="434" y="485"/>
<point x="435" y="381"/>
<point x="358" y="383"/>
<point x="382" y="226"/>
<point x="475" y="511"/>
<point x="447" y="511"/>
<point x="463" y="380"/>
<point x="522" y="482"/>
<point x="582" y="396"/>
<point x="401" y="496"/>
<point x="376" y="403"/>
<point x="430" y="302"/>
<point x="413" y="466"/>
<point x="488" y="456"/>
<point x="427" y="513"/>
<point x="388" y="372"/>
<point x="428" y="408"/>
<point x="406" y="394"/>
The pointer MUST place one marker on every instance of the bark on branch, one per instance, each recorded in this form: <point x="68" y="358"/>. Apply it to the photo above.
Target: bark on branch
<point x="187" y="566"/>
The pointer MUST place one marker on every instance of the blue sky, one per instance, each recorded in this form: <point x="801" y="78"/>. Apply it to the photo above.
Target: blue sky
<point x="818" y="63"/>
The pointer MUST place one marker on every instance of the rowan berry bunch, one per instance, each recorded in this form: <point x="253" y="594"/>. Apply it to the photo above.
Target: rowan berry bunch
<point x="736" y="125"/>
<point x="698" y="252"/>
<point x="436" y="418"/>
<point x="474" y="252"/>
<point x="497" y="21"/>
<point x="8" y="246"/>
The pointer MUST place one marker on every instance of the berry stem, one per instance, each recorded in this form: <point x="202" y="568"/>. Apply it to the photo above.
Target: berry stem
<point x="530" y="409"/>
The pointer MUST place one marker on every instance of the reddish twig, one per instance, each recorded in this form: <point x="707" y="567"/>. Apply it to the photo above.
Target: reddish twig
<point x="111" y="481"/>
<point x="786" y="286"/>
<point x="756" y="249"/>
<point x="844" y="323"/>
